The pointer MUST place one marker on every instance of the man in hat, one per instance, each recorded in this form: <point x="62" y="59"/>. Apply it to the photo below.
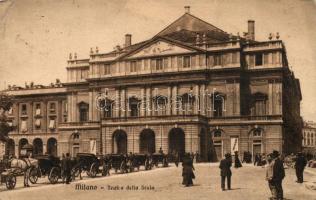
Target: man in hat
<point x="226" y="173"/>
<point x="277" y="176"/>
<point x="300" y="163"/>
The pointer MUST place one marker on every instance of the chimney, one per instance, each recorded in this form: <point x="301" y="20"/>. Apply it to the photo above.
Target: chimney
<point x="128" y="40"/>
<point x="251" y="29"/>
<point x="187" y="9"/>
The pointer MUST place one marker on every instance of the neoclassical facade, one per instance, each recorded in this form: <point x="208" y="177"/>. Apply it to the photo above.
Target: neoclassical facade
<point x="309" y="136"/>
<point x="190" y="88"/>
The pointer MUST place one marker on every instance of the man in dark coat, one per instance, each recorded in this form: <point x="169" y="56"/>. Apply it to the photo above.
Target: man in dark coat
<point x="226" y="173"/>
<point x="187" y="170"/>
<point x="300" y="164"/>
<point x="278" y="175"/>
<point x="67" y="168"/>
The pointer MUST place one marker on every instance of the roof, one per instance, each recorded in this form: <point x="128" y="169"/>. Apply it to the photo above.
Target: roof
<point x="190" y="23"/>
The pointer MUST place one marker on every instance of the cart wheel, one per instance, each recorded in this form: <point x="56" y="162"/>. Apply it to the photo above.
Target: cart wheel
<point x="53" y="175"/>
<point x="33" y="176"/>
<point x="93" y="170"/>
<point x="10" y="182"/>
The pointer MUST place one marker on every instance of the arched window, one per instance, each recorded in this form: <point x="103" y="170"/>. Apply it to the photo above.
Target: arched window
<point x="218" y="101"/>
<point x="83" y="111"/>
<point x="160" y="104"/>
<point x="257" y="133"/>
<point x="106" y="105"/>
<point x="187" y="102"/>
<point x="217" y="133"/>
<point x="259" y="104"/>
<point x="134" y="106"/>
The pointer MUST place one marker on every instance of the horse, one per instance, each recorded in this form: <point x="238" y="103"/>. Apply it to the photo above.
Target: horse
<point x="23" y="163"/>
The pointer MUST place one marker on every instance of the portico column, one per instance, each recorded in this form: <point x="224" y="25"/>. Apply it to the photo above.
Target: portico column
<point x="142" y="105"/>
<point x="117" y="103"/>
<point x="169" y="105"/>
<point x="203" y="99"/>
<point x="174" y="100"/>
<point x="123" y="107"/>
<point x="197" y="99"/>
<point x="148" y="101"/>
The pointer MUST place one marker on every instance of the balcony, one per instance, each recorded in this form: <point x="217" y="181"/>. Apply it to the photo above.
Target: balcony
<point x="79" y="125"/>
<point x="246" y="119"/>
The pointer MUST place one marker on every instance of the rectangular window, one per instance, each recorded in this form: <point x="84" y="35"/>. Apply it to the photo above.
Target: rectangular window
<point x="258" y="59"/>
<point x="186" y="62"/>
<point x="217" y="60"/>
<point x="52" y="124"/>
<point x="251" y="60"/>
<point x="146" y="64"/>
<point x="38" y="123"/>
<point x="159" y="65"/>
<point x="107" y="69"/>
<point x="37" y="109"/>
<point x="24" y="109"/>
<point x="274" y="58"/>
<point x="52" y="108"/>
<point x="24" y="126"/>
<point x="234" y="58"/>
<point x="179" y="61"/>
<point x="266" y="59"/>
<point x="133" y="66"/>
<point x="201" y="63"/>
<point x="165" y="63"/>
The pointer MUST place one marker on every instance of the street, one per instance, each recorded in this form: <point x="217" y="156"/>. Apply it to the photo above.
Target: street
<point x="248" y="182"/>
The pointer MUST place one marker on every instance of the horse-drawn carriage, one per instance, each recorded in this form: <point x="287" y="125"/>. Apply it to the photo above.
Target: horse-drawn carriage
<point x="6" y="176"/>
<point x="138" y="160"/>
<point x="158" y="158"/>
<point x="119" y="162"/>
<point x="49" y="166"/>
<point x="89" y="163"/>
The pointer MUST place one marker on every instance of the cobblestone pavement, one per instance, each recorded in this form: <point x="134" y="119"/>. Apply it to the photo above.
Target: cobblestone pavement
<point x="248" y="183"/>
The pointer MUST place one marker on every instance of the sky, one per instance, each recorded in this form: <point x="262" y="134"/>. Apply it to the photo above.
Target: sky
<point x="36" y="36"/>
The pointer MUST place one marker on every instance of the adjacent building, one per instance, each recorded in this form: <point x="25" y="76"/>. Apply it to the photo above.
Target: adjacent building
<point x="309" y="136"/>
<point x="190" y="88"/>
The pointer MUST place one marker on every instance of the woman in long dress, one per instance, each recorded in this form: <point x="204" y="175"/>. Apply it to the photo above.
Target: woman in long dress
<point x="237" y="161"/>
<point x="187" y="170"/>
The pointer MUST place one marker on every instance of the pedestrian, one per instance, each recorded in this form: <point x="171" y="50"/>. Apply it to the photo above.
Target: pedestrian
<point x="67" y="168"/>
<point x="256" y="160"/>
<point x="278" y="175"/>
<point x="237" y="161"/>
<point x="300" y="163"/>
<point x="187" y="170"/>
<point x="63" y="175"/>
<point x="160" y="150"/>
<point x="177" y="159"/>
<point x="27" y="169"/>
<point x="269" y="176"/>
<point x="226" y="173"/>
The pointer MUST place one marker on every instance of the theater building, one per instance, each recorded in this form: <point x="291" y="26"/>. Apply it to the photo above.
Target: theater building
<point x="190" y="88"/>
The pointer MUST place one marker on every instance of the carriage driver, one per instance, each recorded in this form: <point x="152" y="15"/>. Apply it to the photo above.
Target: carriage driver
<point x="27" y="169"/>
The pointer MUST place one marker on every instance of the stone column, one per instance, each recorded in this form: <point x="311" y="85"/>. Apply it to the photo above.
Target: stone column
<point x="169" y="105"/>
<point x="174" y="100"/>
<point x="117" y="103"/>
<point x="197" y="100"/>
<point x="142" y="105"/>
<point x="203" y="99"/>
<point x="149" y="102"/>
<point x="123" y="107"/>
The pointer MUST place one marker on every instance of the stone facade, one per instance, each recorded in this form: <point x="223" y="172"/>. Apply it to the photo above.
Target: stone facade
<point x="190" y="88"/>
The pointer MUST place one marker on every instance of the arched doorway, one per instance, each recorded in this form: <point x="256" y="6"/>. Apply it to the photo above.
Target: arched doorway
<point x="37" y="146"/>
<point x="176" y="141"/>
<point x="119" y="142"/>
<point x="74" y="143"/>
<point x="52" y="146"/>
<point x="10" y="148"/>
<point x="147" y="141"/>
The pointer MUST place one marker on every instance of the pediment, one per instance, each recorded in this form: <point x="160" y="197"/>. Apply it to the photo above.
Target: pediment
<point x="160" y="48"/>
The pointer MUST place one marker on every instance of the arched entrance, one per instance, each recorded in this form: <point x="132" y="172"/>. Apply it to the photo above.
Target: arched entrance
<point x="147" y="141"/>
<point x="119" y="142"/>
<point x="52" y="146"/>
<point x="37" y="146"/>
<point x="22" y="142"/>
<point x="176" y="141"/>
<point x="10" y="148"/>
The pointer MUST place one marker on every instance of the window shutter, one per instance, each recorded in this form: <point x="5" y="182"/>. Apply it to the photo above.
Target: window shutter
<point x="180" y="62"/>
<point x="193" y="61"/>
<point x="210" y="61"/>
